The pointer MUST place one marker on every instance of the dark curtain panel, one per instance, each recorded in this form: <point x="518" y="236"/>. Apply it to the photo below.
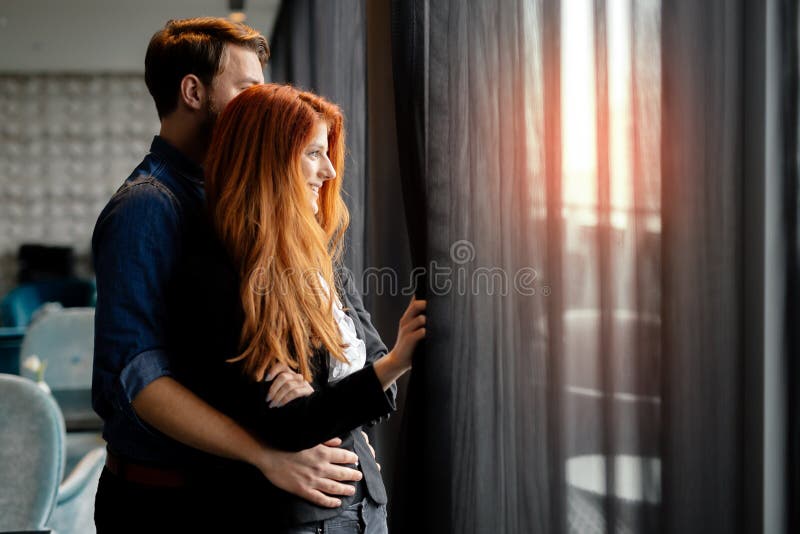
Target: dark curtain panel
<point x="414" y="504"/>
<point x="703" y="266"/>
<point x="319" y="45"/>
<point x="388" y="249"/>
<point x="790" y="108"/>
<point x="341" y="49"/>
<point x="469" y="112"/>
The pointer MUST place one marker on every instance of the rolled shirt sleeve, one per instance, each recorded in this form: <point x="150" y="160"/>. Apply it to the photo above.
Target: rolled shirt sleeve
<point x="135" y="247"/>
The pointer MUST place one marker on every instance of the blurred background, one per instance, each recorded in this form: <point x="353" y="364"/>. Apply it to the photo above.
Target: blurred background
<point x="76" y="115"/>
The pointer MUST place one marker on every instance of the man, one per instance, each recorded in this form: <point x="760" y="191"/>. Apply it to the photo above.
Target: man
<point x="155" y="427"/>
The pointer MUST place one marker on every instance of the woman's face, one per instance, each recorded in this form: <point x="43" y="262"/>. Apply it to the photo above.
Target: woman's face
<point x="317" y="168"/>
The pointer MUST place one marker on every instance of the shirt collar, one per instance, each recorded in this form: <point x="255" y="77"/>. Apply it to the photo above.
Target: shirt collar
<point x="177" y="160"/>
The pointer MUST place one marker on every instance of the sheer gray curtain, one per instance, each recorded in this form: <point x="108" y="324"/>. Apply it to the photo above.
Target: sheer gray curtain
<point x="584" y="190"/>
<point x="545" y="351"/>
<point x="615" y="152"/>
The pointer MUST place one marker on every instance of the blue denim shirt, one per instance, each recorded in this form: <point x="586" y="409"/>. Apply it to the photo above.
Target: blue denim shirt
<point x="137" y="250"/>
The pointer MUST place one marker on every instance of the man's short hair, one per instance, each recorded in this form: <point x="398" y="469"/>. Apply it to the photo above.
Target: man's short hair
<point x="193" y="46"/>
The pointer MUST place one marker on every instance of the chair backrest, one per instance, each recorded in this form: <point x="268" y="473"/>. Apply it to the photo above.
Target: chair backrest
<point x="65" y="340"/>
<point x="19" y="305"/>
<point x="32" y="454"/>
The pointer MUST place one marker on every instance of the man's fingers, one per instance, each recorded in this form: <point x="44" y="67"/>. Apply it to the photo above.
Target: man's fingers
<point x="333" y="442"/>
<point x="341" y="456"/>
<point x="341" y="474"/>
<point x="320" y="499"/>
<point x="332" y="487"/>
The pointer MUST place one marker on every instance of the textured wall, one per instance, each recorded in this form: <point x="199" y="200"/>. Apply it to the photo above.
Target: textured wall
<point x="66" y="143"/>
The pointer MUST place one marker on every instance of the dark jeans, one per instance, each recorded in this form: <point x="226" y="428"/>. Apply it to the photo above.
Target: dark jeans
<point x="127" y="507"/>
<point x="363" y="517"/>
<point x="123" y="507"/>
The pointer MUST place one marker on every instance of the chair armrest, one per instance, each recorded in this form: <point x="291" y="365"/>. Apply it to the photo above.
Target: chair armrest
<point x="81" y="475"/>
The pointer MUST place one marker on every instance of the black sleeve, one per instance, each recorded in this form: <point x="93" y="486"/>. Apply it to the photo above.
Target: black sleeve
<point x="332" y="410"/>
<point x="372" y="339"/>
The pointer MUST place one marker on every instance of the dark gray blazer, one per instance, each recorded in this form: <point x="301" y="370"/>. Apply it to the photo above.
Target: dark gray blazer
<point x="213" y="319"/>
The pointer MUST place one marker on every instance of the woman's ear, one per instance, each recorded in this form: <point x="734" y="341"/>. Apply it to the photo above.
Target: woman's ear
<point x="192" y="92"/>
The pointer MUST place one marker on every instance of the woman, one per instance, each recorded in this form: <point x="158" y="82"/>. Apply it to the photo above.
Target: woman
<point x="274" y="317"/>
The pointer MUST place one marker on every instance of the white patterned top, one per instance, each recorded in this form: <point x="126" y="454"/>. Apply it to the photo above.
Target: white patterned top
<point x="355" y="352"/>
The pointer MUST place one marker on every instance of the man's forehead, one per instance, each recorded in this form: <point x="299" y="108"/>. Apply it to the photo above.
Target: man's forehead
<point x="237" y="60"/>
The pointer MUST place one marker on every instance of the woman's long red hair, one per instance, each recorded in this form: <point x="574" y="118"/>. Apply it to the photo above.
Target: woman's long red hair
<point x="260" y="207"/>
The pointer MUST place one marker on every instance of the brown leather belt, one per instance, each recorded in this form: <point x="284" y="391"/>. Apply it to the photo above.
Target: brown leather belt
<point x="145" y="474"/>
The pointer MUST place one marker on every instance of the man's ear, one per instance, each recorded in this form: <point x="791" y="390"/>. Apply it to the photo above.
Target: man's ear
<point x="192" y="92"/>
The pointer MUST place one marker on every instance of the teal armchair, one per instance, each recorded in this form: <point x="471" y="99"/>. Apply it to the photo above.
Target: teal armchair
<point x="33" y="449"/>
<point x="64" y="338"/>
<point x="18" y="306"/>
<point x="32" y="453"/>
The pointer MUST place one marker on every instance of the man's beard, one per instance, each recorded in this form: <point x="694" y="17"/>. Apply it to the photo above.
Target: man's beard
<point x="207" y="126"/>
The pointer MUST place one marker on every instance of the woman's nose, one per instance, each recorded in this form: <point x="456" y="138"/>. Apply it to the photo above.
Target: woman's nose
<point x="328" y="172"/>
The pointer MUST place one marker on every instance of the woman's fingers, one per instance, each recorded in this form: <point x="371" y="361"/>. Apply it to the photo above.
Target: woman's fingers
<point x="277" y="369"/>
<point x="414" y="309"/>
<point x="278" y="382"/>
<point x="411" y="330"/>
<point x="414" y="325"/>
<point x="287" y="388"/>
<point x="291" y="392"/>
<point x="415" y="306"/>
<point x="417" y="322"/>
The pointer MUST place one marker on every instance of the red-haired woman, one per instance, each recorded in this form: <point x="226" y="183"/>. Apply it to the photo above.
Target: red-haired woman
<point x="281" y="344"/>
